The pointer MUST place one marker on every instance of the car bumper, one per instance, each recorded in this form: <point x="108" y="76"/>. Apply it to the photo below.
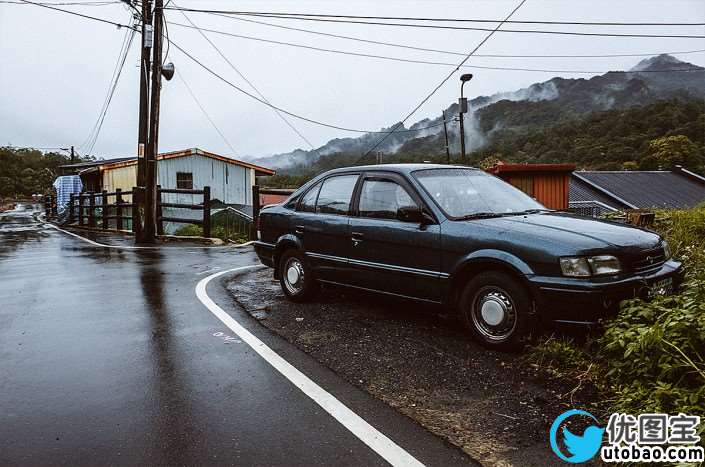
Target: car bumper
<point x="585" y="301"/>
<point x="265" y="252"/>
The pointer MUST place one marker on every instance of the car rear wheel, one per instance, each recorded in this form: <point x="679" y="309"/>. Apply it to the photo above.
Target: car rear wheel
<point x="295" y="276"/>
<point x="497" y="309"/>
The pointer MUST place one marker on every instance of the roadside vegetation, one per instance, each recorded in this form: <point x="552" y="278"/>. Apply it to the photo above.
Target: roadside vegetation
<point x="26" y="171"/>
<point x="651" y="356"/>
<point x="217" y="231"/>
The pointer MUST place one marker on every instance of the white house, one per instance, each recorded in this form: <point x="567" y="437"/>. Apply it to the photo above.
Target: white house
<point x="230" y="180"/>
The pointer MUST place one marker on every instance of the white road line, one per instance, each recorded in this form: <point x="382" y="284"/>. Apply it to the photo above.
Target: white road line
<point x="378" y="442"/>
<point x="128" y="247"/>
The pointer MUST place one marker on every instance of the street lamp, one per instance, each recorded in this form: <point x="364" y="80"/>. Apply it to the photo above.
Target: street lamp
<point x="463" y="108"/>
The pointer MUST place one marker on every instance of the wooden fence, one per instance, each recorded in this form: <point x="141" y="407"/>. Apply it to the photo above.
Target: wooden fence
<point x="205" y="206"/>
<point x="109" y="210"/>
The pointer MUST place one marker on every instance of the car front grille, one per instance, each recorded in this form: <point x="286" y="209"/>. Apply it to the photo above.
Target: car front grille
<point x="648" y="260"/>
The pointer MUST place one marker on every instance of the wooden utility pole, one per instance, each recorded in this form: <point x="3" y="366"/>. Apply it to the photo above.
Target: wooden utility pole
<point x="149" y="228"/>
<point x="445" y="129"/>
<point x="73" y="155"/>
<point x="138" y="217"/>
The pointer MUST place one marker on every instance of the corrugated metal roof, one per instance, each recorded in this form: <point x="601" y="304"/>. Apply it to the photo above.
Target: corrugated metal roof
<point x="642" y="189"/>
<point x="581" y="191"/>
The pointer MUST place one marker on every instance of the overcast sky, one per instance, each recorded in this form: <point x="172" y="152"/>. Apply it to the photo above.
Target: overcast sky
<point x="56" y="68"/>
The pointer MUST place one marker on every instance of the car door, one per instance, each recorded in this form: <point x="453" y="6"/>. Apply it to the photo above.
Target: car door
<point x="321" y="223"/>
<point x="388" y="254"/>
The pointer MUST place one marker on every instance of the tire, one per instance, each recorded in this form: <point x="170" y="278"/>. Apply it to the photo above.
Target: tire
<point x="498" y="310"/>
<point x="296" y="277"/>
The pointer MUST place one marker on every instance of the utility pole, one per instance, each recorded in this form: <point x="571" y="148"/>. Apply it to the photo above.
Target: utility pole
<point x="462" y="109"/>
<point x="138" y="218"/>
<point x="149" y="229"/>
<point x="73" y="157"/>
<point x="445" y="129"/>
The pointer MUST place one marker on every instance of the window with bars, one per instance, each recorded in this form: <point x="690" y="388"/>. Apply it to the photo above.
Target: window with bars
<point x="184" y="180"/>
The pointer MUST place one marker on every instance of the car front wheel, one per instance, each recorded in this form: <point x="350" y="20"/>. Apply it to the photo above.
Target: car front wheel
<point x="295" y="277"/>
<point x="497" y="309"/>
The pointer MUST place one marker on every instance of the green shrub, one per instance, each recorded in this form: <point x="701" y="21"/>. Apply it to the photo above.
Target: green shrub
<point x="192" y="230"/>
<point x="652" y="354"/>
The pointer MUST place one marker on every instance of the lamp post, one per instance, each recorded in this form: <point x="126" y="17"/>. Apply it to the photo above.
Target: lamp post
<point x="463" y="108"/>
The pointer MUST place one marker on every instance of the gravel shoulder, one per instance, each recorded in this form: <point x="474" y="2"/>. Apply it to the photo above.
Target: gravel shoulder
<point x="496" y="406"/>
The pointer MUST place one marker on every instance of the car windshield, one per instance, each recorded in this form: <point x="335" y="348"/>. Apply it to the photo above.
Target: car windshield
<point x="467" y="193"/>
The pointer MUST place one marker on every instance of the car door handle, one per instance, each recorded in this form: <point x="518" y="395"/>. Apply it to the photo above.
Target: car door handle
<point x="299" y="230"/>
<point x="356" y="238"/>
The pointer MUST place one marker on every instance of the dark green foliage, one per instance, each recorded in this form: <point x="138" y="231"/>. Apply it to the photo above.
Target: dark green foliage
<point x="26" y="171"/>
<point x="545" y="132"/>
<point x="606" y="140"/>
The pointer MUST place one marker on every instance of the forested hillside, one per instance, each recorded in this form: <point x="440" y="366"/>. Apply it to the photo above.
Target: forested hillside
<point x="662" y="134"/>
<point x="25" y="171"/>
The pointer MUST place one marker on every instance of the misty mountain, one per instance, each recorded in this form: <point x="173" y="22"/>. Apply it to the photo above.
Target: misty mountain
<point x="538" y="105"/>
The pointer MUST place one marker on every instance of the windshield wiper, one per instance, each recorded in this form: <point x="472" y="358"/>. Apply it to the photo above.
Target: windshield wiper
<point x="480" y="215"/>
<point x="534" y="211"/>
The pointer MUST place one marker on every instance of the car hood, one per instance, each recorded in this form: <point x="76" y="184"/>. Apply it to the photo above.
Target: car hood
<point x="579" y="232"/>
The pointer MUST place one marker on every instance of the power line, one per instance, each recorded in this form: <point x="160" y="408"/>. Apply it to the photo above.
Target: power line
<point x="188" y="88"/>
<point x="89" y="138"/>
<point x="448" y="52"/>
<point x="268" y="104"/>
<point x="279" y="114"/>
<point x="459" y="28"/>
<point x="443" y="81"/>
<point x="94" y="18"/>
<point x="116" y="78"/>
<point x="21" y="2"/>
<point x="408" y="60"/>
<point x="454" y="20"/>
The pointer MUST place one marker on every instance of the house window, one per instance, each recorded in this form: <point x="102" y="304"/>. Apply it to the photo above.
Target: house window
<point x="184" y="180"/>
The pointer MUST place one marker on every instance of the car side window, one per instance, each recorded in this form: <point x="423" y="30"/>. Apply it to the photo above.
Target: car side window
<point x="336" y="194"/>
<point x="308" y="201"/>
<point x="380" y="199"/>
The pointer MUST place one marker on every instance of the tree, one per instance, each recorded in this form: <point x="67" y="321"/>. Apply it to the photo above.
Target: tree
<point x="670" y="151"/>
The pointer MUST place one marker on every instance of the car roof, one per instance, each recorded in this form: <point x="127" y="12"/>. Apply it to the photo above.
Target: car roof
<point x="398" y="168"/>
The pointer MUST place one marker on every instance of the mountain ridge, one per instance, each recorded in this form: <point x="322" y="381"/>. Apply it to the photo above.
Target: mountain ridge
<point x="650" y="80"/>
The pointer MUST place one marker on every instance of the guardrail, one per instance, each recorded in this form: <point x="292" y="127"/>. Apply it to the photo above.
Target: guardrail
<point x="83" y="206"/>
<point x="98" y="209"/>
<point x="205" y="206"/>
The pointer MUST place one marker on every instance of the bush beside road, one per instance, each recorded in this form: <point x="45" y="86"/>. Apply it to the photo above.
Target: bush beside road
<point x="651" y="357"/>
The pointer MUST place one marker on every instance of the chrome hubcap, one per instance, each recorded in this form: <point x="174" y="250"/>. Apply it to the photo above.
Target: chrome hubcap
<point x="493" y="313"/>
<point x="294" y="276"/>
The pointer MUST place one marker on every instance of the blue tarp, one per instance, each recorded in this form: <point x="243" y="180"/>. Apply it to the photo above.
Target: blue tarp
<point x="64" y="186"/>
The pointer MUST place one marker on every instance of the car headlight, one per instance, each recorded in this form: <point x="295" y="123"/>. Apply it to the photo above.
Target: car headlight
<point x="576" y="267"/>
<point x="590" y="266"/>
<point x="667" y="250"/>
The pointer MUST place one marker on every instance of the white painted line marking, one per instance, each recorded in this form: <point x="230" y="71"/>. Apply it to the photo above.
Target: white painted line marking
<point x="378" y="442"/>
<point x="128" y="247"/>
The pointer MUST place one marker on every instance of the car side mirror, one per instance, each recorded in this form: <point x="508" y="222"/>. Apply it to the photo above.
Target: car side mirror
<point x="413" y="214"/>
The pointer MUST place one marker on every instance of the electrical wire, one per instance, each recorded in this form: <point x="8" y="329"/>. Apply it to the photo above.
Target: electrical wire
<point x="443" y="81"/>
<point x="281" y="116"/>
<point x="116" y="78"/>
<point x="448" y="52"/>
<point x="94" y="18"/>
<point x="200" y="106"/>
<point x="455" y="20"/>
<point x="269" y="104"/>
<point x="458" y="28"/>
<point x="408" y="60"/>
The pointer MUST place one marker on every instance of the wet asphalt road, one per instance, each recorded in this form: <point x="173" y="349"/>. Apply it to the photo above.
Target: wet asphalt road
<point x="107" y="357"/>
